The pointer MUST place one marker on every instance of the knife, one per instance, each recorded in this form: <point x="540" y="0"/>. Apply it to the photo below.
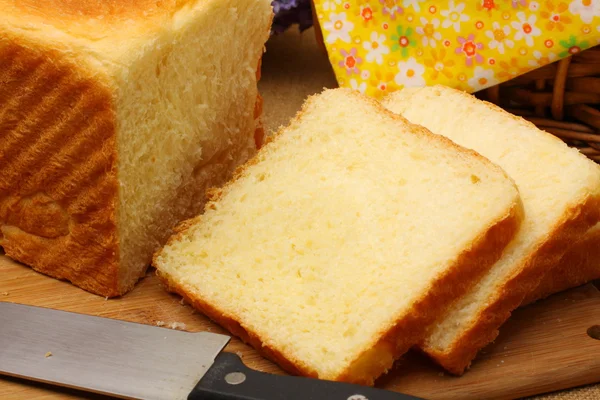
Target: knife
<point x="135" y="361"/>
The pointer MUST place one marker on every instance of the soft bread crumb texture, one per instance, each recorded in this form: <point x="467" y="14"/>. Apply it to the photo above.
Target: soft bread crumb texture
<point x="200" y="79"/>
<point x="335" y="231"/>
<point x="560" y="190"/>
<point x="115" y="117"/>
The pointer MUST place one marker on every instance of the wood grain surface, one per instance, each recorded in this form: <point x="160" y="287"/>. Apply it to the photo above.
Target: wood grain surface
<point x="543" y="347"/>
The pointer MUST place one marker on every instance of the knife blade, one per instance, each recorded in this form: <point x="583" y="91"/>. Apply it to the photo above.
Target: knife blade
<point x="135" y="361"/>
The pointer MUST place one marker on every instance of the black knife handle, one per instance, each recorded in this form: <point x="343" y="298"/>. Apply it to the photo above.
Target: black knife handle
<point x="229" y="379"/>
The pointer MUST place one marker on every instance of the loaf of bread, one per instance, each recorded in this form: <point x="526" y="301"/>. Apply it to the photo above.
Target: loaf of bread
<point x="560" y="190"/>
<point x="581" y="264"/>
<point x="115" y="117"/>
<point x="343" y="238"/>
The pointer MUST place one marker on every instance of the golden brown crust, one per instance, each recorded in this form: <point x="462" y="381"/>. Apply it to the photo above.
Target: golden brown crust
<point x="464" y="349"/>
<point x="457" y="358"/>
<point x="581" y="264"/>
<point x="235" y="328"/>
<point x="78" y="13"/>
<point x="64" y="222"/>
<point x="468" y="267"/>
<point x="457" y="280"/>
<point x="58" y="186"/>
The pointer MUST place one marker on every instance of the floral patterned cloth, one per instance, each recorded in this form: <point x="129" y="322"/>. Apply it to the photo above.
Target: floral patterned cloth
<point x="377" y="46"/>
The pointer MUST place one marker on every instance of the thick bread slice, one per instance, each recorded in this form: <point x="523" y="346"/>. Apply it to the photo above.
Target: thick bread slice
<point x="334" y="248"/>
<point x="115" y="117"/>
<point x="581" y="264"/>
<point x="561" y="196"/>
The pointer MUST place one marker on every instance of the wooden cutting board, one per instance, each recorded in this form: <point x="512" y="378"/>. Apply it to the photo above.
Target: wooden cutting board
<point x="544" y="347"/>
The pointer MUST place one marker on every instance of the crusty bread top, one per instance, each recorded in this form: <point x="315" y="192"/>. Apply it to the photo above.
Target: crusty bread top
<point x="164" y="92"/>
<point x="105" y="33"/>
<point x="87" y="16"/>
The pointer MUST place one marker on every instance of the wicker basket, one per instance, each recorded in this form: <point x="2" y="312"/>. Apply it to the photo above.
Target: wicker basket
<point x="561" y="98"/>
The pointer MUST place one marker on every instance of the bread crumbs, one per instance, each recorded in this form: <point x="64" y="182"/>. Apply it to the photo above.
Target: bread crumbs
<point x="48" y="354"/>
<point x="177" y="325"/>
<point x="172" y="325"/>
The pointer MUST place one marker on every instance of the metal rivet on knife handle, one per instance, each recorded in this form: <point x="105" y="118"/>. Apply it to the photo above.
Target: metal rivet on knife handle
<point x="235" y="378"/>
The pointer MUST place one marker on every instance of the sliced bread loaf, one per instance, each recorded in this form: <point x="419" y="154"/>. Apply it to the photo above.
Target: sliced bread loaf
<point x="581" y="264"/>
<point x="115" y="117"/>
<point x="348" y="233"/>
<point x="561" y="197"/>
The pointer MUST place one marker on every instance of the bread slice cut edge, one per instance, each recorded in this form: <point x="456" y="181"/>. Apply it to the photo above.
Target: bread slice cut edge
<point x="486" y="324"/>
<point x="580" y="265"/>
<point x="379" y="357"/>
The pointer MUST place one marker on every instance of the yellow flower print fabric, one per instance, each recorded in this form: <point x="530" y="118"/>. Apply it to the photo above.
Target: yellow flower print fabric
<point x="378" y="46"/>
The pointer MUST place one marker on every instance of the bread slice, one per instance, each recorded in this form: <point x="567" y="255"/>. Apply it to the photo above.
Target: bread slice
<point x="561" y="196"/>
<point x="346" y="235"/>
<point x="580" y="265"/>
<point x="114" y="119"/>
